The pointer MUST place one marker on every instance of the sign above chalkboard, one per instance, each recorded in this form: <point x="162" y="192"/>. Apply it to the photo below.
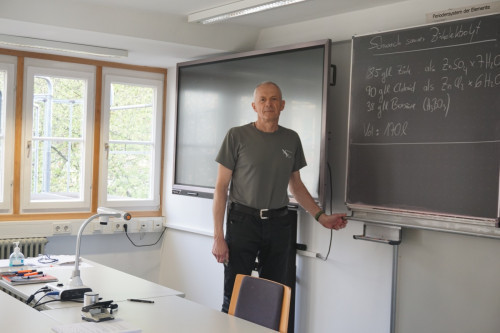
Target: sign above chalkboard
<point x="463" y="12"/>
<point x="424" y="120"/>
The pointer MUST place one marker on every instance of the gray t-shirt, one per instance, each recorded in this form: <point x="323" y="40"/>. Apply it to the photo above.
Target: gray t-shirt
<point x="262" y="164"/>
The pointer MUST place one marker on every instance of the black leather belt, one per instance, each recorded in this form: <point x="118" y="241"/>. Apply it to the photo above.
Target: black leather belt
<point x="263" y="214"/>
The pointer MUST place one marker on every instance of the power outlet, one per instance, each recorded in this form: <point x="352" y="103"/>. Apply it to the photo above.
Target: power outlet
<point x="157" y="226"/>
<point x="107" y="228"/>
<point x="146" y="226"/>
<point x="117" y="226"/>
<point x="61" y="228"/>
<point x="96" y="226"/>
<point x="102" y="228"/>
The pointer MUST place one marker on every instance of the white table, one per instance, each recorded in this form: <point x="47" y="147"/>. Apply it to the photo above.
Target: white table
<point x="168" y="315"/>
<point x="18" y="317"/>
<point x="111" y="284"/>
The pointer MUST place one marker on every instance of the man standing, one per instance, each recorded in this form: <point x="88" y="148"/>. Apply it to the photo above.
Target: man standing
<point x="259" y="161"/>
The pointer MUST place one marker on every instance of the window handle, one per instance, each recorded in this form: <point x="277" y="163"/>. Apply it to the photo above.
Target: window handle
<point x="28" y="149"/>
<point x="106" y="148"/>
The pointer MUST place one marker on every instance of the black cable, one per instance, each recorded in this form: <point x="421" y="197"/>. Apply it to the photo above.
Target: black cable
<point x="28" y="301"/>
<point x="50" y="301"/>
<point x="46" y="294"/>
<point x="331" y="211"/>
<point x="125" y="226"/>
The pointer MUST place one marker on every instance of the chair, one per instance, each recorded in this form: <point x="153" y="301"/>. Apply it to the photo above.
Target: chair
<point x="261" y="301"/>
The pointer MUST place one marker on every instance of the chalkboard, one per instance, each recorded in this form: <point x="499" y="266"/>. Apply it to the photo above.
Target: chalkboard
<point x="424" y="119"/>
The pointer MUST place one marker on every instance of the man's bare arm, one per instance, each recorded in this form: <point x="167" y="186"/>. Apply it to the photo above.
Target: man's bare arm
<point x="220" y="249"/>
<point x="304" y="198"/>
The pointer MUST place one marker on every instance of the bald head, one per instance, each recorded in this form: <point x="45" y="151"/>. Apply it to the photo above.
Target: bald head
<point x="265" y="83"/>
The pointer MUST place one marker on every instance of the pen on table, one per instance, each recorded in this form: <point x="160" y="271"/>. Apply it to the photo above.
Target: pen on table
<point x="22" y="272"/>
<point x="140" y="300"/>
<point x="32" y="274"/>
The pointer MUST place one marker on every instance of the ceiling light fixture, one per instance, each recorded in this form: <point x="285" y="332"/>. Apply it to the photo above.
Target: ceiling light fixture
<point x="52" y="45"/>
<point x="235" y="9"/>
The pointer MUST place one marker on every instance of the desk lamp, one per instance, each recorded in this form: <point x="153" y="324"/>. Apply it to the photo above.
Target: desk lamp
<point x="75" y="287"/>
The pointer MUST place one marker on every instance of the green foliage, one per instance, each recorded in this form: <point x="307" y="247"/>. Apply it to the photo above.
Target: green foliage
<point x="132" y="113"/>
<point x="130" y="166"/>
<point x="59" y="112"/>
<point x="129" y="170"/>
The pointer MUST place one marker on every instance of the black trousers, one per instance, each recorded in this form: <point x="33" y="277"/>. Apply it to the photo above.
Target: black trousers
<point x="272" y="241"/>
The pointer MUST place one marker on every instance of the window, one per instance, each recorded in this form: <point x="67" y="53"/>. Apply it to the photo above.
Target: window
<point x="131" y="140"/>
<point x="58" y="115"/>
<point x="61" y="154"/>
<point x="7" y="112"/>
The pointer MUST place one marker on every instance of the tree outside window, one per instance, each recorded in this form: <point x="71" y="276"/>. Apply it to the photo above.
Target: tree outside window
<point x="58" y="134"/>
<point x="131" y="142"/>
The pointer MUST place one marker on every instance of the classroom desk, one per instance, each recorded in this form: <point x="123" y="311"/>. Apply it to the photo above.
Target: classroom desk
<point x="18" y="317"/>
<point x="169" y="315"/>
<point x="111" y="284"/>
<point x="170" y="312"/>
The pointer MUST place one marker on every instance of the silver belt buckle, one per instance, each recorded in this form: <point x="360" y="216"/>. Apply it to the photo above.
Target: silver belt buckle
<point x="263" y="217"/>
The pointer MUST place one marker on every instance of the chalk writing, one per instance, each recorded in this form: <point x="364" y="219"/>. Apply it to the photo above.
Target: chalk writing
<point x="398" y="92"/>
<point x="455" y="32"/>
<point x="424" y="119"/>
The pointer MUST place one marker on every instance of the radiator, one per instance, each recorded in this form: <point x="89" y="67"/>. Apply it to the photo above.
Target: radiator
<point x="30" y="247"/>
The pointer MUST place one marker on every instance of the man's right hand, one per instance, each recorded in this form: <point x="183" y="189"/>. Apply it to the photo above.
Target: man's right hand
<point x="220" y="250"/>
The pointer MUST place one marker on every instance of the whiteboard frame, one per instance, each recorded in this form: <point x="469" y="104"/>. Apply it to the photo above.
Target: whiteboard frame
<point x="323" y="181"/>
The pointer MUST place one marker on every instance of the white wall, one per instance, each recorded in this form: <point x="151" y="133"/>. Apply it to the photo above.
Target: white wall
<point x="187" y="262"/>
<point x="342" y="27"/>
<point x="116" y="251"/>
<point x="112" y="249"/>
<point x="448" y="283"/>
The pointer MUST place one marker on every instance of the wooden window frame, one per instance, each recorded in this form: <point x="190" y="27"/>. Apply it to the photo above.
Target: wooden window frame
<point x="35" y="67"/>
<point x="16" y="214"/>
<point x="9" y="65"/>
<point x="112" y="75"/>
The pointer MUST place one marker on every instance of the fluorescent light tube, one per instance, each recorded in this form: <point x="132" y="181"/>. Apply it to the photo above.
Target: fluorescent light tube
<point x="236" y="9"/>
<point x="62" y="46"/>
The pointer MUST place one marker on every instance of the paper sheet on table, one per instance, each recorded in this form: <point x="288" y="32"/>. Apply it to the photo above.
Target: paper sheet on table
<point x="63" y="261"/>
<point x="115" y="326"/>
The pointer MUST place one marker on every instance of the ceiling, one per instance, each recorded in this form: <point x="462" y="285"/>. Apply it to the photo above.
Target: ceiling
<point x="298" y="12"/>
<point x="157" y="32"/>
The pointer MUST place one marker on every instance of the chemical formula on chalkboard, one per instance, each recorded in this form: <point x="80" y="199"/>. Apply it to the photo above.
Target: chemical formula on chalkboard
<point x="424" y="119"/>
<point x="436" y="72"/>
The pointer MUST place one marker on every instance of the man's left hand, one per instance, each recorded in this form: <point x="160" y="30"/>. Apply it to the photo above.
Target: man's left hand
<point x="334" y="221"/>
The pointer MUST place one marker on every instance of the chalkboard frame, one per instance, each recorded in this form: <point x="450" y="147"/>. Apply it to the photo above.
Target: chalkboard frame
<point x="418" y="217"/>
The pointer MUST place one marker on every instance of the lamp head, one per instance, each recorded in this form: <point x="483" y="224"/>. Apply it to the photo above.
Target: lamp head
<point x="105" y="213"/>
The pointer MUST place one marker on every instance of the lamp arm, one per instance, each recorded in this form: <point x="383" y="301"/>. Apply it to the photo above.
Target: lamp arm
<point x="76" y="272"/>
